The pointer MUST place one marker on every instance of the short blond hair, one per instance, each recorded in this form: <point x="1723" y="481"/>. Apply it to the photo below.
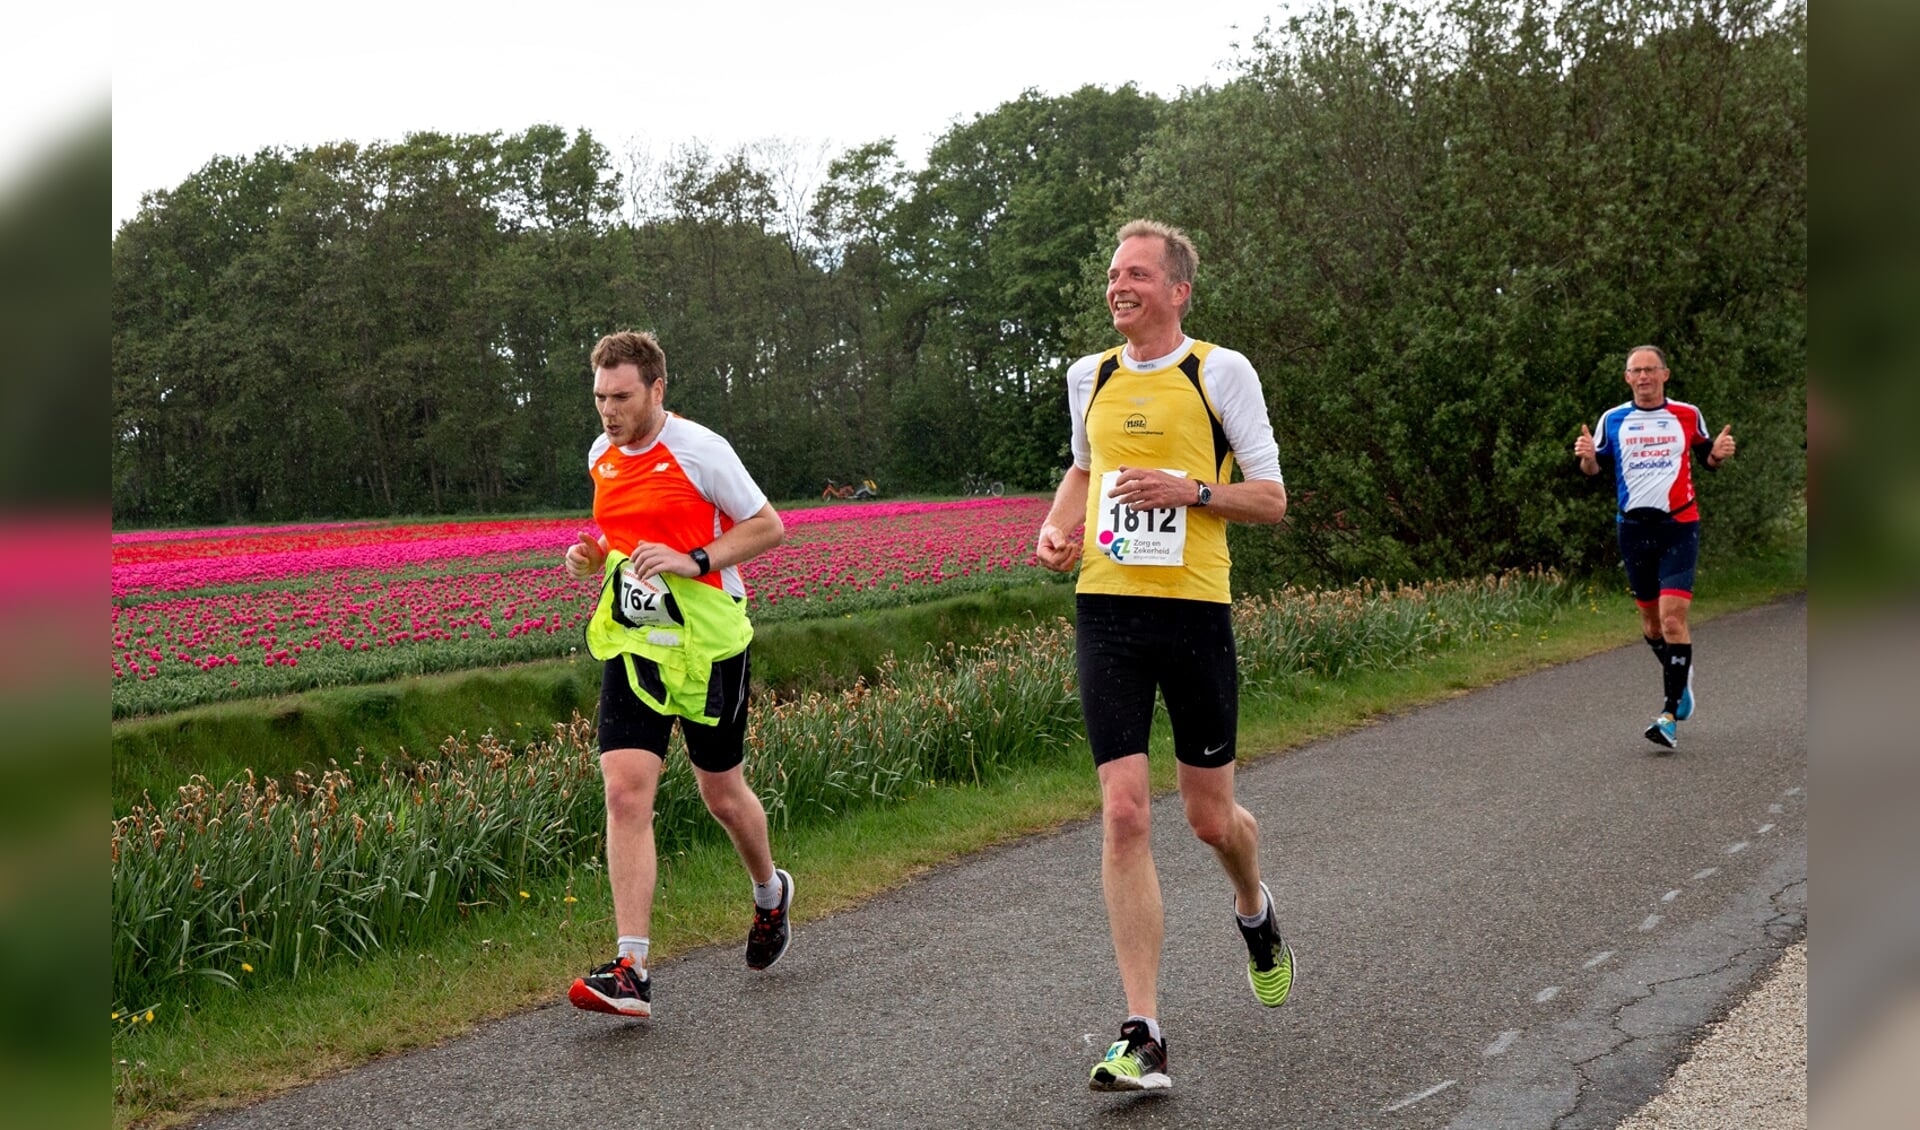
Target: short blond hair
<point x="1179" y="259"/>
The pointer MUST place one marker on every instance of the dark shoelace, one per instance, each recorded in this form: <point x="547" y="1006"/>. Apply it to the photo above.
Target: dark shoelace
<point x="614" y="969"/>
<point x="764" y="923"/>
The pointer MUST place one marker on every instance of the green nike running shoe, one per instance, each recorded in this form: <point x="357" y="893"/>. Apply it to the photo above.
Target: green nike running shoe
<point x="1134" y="1062"/>
<point x="1270" y="964"/>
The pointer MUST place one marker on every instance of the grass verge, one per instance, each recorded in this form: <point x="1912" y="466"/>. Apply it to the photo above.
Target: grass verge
<point x="411" y="717"/>
<point x="234" y="1048"/>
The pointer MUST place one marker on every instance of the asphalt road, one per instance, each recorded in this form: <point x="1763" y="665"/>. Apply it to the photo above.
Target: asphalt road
<point x="1509" y="909"/>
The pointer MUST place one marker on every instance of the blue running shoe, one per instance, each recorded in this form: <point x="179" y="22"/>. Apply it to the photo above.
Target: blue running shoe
<point x="1685" y="710"/>
<point x="1664" y="732"/>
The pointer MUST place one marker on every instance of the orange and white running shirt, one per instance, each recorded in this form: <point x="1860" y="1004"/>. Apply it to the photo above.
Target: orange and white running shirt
<point x="682" y="491"/>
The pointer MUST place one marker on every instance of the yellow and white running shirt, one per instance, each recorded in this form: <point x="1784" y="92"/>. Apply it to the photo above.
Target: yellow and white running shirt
<point x="1193" y="413"/>
<point x="682" y="491"/>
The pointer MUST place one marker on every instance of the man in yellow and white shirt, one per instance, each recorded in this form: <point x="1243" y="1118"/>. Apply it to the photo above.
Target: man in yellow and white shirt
<point x="1158" y="424"/>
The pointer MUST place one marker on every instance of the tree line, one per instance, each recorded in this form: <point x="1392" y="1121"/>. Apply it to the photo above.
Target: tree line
<point x="1435" y="231"/>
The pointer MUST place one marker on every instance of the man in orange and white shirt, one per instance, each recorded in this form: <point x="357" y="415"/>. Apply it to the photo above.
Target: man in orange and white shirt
<point x="672" y="501"/>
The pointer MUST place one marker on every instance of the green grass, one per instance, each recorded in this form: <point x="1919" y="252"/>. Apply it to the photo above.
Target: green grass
<point x="409" y="718"/>
<point x="234" y="1047"/>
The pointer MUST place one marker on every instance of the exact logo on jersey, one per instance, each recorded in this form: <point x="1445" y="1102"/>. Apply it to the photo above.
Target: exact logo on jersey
<point x="1651" y="452"/>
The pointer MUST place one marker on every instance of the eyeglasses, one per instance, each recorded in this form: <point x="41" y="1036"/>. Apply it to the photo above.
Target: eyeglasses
<point x="1643" y="371"/>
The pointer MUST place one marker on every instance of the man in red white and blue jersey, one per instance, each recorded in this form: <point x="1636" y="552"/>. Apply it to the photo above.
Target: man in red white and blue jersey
<point x="1653" y="444"/>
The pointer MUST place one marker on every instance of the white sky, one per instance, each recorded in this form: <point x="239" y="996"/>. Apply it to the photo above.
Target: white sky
<point x="196" y="79"/>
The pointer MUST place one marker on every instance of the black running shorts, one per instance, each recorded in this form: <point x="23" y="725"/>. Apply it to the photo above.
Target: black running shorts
<point x="1129" y="646"/>
<point x="628" y="723"/>
<point x="1660" y="558"/>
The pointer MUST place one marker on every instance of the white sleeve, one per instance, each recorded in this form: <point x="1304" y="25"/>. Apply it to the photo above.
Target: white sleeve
<point x="1079" y="392"/>
<point x="714" y="469"/>
<point x="599" y="448"/>
<point x="1235" y="390"/>
<point x="1601" y="447"/>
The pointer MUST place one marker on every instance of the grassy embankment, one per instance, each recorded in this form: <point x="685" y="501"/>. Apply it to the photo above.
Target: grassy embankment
<point x="411" y="717"/>
<point x="234" y="1046"/>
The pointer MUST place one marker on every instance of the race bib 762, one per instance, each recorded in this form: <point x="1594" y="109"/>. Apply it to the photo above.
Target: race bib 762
<point x="641" y="602"/>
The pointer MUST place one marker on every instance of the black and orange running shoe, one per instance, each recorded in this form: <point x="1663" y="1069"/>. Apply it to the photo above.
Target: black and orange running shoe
<point x="768" y="939"/>
<point x="618" y="987"/>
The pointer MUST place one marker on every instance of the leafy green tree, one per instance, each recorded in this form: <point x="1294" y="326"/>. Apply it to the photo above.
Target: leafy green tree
<point x="853" y="225"/>
<point x="1436" y="234"/>
<point x="1435" y="230"/>
<point x="346" y="330"/>
<point x="183" y="432"/>
<point x="1008" y="207"/>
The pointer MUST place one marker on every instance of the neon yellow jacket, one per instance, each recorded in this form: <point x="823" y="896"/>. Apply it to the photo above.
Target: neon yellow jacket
<point x="670" y="663"/>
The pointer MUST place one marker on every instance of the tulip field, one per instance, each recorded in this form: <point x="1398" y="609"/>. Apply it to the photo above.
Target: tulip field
<point x="203" y="616"/>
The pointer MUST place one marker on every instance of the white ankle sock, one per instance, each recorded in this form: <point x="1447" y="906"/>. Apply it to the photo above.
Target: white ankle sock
<point x="766" y="895"/>
<point x="1252" y="920"/>
<point x="635" y="948"/>
<point x="1153" y="1026"/>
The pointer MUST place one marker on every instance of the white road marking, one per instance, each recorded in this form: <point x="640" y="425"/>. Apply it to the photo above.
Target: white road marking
<point x="1500" y="1046"/>
<point x="1652" y="921"/>
<point x="1776" y="809"/>
<point x="1599" y="958"/>
<point x="1670" y="895"/>
<point x="1763" y="829"/>
<point x="1426" y="1094"/>
<point x="1706" y="874"/>
<point x="1737" y="848"/>
<point x="1546" y="994"/>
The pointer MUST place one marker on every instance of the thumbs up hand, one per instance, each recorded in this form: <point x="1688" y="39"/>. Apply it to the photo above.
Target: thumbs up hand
<point x="1723" y="446"/>
<point x="1583" y="447"/>
<point x="585" y="557"/>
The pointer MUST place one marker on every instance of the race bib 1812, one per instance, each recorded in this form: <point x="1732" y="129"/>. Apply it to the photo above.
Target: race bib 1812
<point x="1139" y="537"/>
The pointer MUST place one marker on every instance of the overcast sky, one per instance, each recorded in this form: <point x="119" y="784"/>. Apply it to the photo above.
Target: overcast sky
<point x="196" y="79"/>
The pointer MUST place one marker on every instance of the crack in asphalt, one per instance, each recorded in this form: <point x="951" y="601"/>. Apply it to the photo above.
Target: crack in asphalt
<point x="1667" y="1042"/>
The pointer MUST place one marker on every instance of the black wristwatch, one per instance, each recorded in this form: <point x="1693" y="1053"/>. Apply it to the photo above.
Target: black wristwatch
<point x="1206" y="495"/>
<point x="701" y="559"/>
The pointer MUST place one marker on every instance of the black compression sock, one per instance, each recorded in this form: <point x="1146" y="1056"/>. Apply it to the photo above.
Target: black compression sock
<point x="1659" y="647"/>
<point x="1674" y="674"/>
